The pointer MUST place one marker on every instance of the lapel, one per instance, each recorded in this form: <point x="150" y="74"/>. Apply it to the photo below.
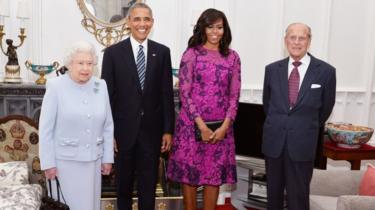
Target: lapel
<point x="151" y="57"/>
<point x="132" y="68"/>
<point x="310" y="75"/>
<point x="283" y="81"/>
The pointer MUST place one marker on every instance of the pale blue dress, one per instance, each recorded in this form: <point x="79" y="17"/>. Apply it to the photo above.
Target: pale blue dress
<point x="76" y="137"/>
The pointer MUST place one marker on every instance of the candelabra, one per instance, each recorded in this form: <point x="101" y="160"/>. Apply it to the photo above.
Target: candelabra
<point x="12" y="67"/>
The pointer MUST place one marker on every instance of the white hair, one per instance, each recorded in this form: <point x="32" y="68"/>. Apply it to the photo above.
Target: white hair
<point x="297" y="23"/>
<point x="79" y="47"/>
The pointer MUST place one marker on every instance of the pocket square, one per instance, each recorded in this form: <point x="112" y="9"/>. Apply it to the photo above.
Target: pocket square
<point x="315" y="85"/>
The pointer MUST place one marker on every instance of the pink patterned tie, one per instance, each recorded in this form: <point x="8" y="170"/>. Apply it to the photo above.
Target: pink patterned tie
<point x="294" y="84"/>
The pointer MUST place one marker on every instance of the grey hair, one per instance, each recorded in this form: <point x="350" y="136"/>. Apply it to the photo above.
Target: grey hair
<point x="292" y="24"/>
<point x="79" y="47"/>
<point x="138" y="5"/>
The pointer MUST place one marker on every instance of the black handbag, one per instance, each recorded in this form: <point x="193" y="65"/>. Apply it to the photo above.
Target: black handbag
<point x="213" y="125"/>
<point x="49" y="203"/>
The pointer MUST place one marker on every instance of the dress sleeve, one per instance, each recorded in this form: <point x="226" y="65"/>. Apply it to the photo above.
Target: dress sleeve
<point x="108" y="155"/>
<point x="234" y="88"/>
<point x="47" y="123"/>
<point x="186" y="78"/>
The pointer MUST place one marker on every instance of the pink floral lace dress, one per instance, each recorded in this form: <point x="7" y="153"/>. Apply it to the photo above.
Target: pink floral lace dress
<point x="209" y="87"/>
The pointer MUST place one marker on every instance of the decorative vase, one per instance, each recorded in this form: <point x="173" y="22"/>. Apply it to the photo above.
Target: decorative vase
<point x="349" y="136"/>
<point x="175" y="75"/>
<point x="41" y="70"/>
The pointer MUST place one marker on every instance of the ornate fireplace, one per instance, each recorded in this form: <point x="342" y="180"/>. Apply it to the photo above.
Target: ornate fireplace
<point x="21" y="99"/>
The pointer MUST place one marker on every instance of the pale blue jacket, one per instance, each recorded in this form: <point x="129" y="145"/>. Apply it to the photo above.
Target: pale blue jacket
<point x="75" y="122"/>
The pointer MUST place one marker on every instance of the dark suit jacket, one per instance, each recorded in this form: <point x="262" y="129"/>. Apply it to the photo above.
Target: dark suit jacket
<point x="296" y="128"/>
<point x="153" y="107"/>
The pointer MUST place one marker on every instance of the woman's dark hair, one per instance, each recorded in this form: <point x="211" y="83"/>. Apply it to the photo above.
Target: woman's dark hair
<point x="207" y="18"/>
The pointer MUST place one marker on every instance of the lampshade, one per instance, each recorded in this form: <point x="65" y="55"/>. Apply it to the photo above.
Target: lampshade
<point x="4" y="8"/>
<point x="23" y="9"/>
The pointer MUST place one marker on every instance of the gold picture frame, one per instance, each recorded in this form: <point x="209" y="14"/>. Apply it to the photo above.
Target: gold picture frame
<point x="106" y="19"/>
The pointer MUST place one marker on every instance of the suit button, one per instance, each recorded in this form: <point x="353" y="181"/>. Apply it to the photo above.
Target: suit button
<point x="87" y="145"/>
<point x="88" y="116"/>
<point x="142" y="113"/>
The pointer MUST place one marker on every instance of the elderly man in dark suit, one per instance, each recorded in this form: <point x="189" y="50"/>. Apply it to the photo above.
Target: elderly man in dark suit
<point x="298" y="97"/>
<point x="139" y="78"/>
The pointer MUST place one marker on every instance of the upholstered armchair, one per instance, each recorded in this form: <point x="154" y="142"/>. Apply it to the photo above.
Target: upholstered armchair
<point x="338" y="189"/>
<point x="21" y="180"/>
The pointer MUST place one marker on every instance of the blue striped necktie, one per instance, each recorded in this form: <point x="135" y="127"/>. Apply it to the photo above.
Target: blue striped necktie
<point x="141" y="66"/>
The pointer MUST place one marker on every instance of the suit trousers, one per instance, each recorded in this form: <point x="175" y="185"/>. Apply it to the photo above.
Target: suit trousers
<point x="138" y="163"/>
<point x="293" y="176"/>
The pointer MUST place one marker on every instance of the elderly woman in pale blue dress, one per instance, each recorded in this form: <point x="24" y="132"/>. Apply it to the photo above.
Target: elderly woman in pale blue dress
<point x="76" y="130"/>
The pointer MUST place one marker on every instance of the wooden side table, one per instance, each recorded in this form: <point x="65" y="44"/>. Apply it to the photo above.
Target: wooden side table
<point x="353" y="156"/>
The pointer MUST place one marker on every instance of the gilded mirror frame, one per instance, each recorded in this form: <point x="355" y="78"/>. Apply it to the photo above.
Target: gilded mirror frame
<point x="105" y="33"/>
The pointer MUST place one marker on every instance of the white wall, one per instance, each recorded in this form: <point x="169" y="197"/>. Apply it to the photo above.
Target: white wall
<point x="343" y="34"/>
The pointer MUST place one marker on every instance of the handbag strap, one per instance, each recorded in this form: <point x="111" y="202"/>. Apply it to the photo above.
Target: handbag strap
<point x="58" y="187"/>
<point x="59" y="190"/>
<point x="50" y="188"/>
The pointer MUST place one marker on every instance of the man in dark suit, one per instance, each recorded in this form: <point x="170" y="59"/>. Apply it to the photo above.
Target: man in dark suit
<point x="139" y="79"/>
<point x="298" y="97"/>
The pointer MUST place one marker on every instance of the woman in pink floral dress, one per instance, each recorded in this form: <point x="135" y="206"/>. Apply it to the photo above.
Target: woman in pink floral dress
<point x="210" y="80"/>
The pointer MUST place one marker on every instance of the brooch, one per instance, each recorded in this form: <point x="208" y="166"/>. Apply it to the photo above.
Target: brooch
<point x="96" y="88"/>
